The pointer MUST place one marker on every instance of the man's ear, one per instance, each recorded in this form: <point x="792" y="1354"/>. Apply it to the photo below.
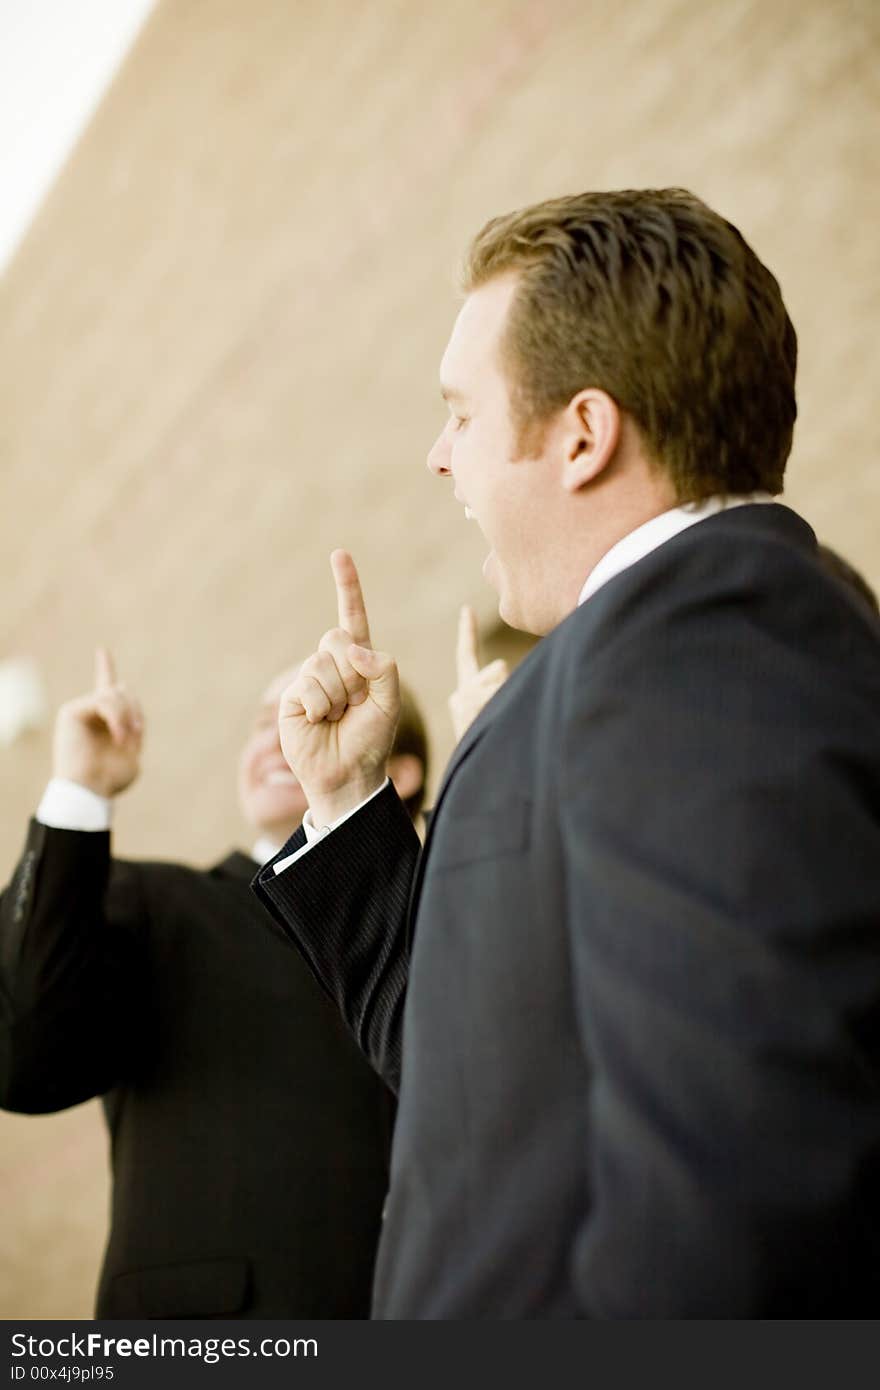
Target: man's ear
<point x="407" y="774"/>
<point x="591" y="435"/>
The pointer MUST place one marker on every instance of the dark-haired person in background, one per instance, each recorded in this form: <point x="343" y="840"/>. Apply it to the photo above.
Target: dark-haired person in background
<point x="630" y="990"/>
<point x="249" y="1138"/>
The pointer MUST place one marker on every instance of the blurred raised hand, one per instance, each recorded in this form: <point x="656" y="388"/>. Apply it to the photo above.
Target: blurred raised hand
<point x="475" y="684"/>
<point x="338" y="717"/>
<point x="98" y="737"/>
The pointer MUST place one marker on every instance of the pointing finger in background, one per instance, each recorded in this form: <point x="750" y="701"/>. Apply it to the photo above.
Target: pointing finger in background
<point x="105" y="670"/>
<point x="467" y="662"/>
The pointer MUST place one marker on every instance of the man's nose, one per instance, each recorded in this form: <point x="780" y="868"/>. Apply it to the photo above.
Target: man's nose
<point x="438" y="458"/>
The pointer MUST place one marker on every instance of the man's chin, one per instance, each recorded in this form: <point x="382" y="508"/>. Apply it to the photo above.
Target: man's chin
<point x="511" y="610"/>
<point x="512" y="616"/>
<point x="518" y="615"/>
<point x="492" y="574"/>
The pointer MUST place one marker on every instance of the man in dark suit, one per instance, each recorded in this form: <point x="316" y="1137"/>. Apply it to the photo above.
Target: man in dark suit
<point x="249" y="1138"/>
<point x="630" y="991"/>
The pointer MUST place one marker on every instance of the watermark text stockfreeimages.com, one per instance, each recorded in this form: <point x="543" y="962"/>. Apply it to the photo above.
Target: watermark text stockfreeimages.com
<point x="94" y="1346"/>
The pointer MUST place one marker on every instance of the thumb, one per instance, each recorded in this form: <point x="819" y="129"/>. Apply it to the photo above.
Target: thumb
<point x="380" y="670"/>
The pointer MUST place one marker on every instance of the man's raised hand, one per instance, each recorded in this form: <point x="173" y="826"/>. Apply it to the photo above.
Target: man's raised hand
<point x="338" y="717"/>
<point x="98" y="736"/>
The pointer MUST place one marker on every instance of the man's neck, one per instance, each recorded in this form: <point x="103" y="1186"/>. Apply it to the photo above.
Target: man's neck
<point x="611" y="511"/>
<point x="654" y="532"/>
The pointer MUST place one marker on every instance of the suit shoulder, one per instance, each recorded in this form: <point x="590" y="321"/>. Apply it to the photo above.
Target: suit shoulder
<point x="749" y="564"/>
<point x="143" y="889"/>
<point x="742" y="615"/>
<point x="163" y="871"/>
<point x="167" y="891"/>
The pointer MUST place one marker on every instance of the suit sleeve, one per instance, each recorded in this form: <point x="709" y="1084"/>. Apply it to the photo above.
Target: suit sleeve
<point x="344" y="907"/>
<point x="71" y="971"/>
<point x="722" y="898"/>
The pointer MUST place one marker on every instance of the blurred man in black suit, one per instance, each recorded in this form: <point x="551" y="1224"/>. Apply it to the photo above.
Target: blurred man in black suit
<point x="630" y="991"/>
<point x="249" y="1137"/>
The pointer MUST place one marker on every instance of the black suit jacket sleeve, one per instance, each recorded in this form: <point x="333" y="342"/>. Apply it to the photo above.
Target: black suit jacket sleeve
<point x="71" y="979"/>
<point x="354" y="937"/>
<point x="723" y="969"/>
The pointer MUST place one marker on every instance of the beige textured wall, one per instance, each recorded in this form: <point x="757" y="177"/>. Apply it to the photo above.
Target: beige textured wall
<point x="218" y="356"/>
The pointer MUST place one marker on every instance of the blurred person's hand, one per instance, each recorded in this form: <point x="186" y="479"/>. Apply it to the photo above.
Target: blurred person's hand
<point x="337" y="719"/>
<point x="476" y="685"/>
<point x="98" y="737"/>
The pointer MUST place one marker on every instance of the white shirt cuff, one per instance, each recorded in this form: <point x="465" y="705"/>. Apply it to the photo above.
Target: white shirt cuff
<point x="68" y="806"/>
<point x="313" y="834"/>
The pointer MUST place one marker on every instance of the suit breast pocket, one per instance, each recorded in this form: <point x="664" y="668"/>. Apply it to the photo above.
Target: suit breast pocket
<point x="466" y="837"/>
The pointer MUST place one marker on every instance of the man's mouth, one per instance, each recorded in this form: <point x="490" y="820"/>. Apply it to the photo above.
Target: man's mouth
<point x="470" y="516"/>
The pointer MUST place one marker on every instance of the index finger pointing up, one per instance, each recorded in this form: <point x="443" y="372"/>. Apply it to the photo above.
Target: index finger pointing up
<point x="105" y="671"/>
<point x="467" y="662"/>
<point x="350" y="598"/>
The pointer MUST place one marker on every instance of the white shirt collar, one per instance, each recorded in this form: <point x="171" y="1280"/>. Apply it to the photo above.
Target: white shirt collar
<point x="264" y="850"/>
<point x="655" y="532"/>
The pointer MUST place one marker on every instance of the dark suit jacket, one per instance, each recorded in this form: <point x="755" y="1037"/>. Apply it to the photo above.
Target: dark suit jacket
<point x="249" y="1137"/>
<point x="636" y="971"/>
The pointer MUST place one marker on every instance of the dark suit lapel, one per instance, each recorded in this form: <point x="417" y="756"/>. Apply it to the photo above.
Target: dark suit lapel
<point x="468" y="743"/>
<point x="462" y="751"/>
